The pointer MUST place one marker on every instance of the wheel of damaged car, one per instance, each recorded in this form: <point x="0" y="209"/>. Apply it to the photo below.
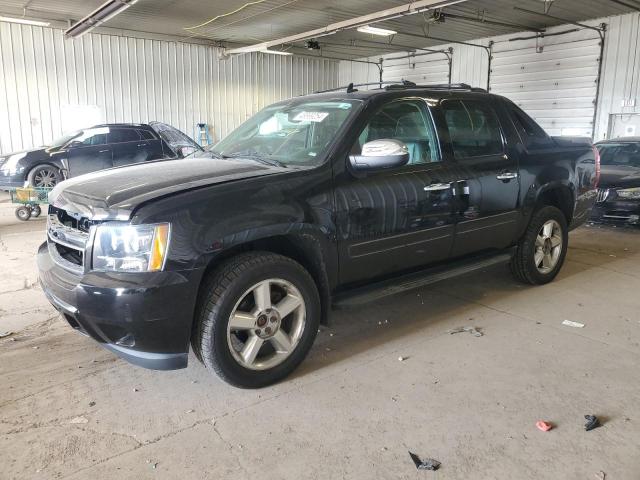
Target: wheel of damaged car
<point x="257" y="318"/>
<point x="44" y="176"/>
<point x="541" y="251"/>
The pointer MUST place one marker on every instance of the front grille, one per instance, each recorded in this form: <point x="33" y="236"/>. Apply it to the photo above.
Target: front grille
<point x="67" y="235"/>
<point x="603" y="194"/>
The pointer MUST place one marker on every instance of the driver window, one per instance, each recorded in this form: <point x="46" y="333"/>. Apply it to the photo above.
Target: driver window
<point x="91" y="136"/>
<point x="407" y="121"/>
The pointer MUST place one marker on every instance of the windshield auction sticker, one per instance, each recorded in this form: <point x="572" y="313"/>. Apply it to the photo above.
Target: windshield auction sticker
<point x="311" y="116"/>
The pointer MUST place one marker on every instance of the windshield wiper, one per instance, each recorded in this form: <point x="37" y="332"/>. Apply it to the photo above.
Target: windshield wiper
<point x="259" y="158"/>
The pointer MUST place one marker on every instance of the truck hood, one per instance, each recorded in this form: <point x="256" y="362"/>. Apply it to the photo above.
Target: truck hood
<point x="115" y="193"/>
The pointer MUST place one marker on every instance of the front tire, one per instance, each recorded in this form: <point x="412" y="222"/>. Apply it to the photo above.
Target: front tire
<point x="44" y="176"/>
<point x="257" y="317"/>
<point x="541" y="251"/>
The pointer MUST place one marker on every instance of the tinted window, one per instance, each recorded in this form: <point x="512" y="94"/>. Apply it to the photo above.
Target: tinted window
<point x="620" y="154"/>
<point x="146" y="135"/>
<point x="473" y="128"/>
<point x="407" y="121"/>
<point x="119" y="135"/>
<point x="90" y="136"/>
<point x="533" y="136"/>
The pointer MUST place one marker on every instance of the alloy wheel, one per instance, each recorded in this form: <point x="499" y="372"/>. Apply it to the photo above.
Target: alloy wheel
<point x="45" y="178"/>
<point x="266" y="324"/>
<point x="548" y="246"/>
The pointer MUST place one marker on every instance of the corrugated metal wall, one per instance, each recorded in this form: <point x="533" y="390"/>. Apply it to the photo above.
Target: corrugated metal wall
<point x="554" y="79"/>
<point x="620" y="80"/>
<point x="43" y="77"/>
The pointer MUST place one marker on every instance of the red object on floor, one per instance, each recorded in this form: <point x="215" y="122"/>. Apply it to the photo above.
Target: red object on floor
<point x="544" y="426"/>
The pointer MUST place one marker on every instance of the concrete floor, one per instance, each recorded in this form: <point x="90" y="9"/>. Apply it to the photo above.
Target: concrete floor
<point x="69" y="409"/>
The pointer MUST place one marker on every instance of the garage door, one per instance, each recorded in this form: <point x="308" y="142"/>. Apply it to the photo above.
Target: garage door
<point x="418" y="68"/>
<point x="554" y="79"/>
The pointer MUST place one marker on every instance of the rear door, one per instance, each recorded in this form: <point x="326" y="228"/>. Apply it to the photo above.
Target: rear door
<point x="389" y="221"/>
<point x="88" y="152"/>
<point x="128" y="147"/>
<point x="488" y="187"/>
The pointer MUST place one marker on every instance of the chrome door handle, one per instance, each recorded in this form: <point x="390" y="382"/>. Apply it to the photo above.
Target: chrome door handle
<point x="507" y="176"/>
<point x="103" y="151"/>
<point x="435" y="187"/>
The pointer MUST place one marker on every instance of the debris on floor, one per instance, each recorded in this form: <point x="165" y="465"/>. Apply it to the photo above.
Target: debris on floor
<point x="472" y="330"/>
<point x="592" y="422"/>
<point x="402" y="359"/>
<point x="569" y="323"/>
<point x="543" y="426"/>
<point x="426" y="464"/>
<point x="5" y="334"/>
<point x="92" y="404"/>
<point x="79" y="420"/>
<point x="601" y="475"/>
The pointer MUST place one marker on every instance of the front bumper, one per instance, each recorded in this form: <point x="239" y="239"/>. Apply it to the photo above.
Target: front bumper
<point x="11" y="181"/>
<point x="620" y="211"/>
<point x="145" y="318"/>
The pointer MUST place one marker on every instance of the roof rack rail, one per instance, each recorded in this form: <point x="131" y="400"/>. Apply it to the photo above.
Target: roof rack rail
<point x="405" y="84"/>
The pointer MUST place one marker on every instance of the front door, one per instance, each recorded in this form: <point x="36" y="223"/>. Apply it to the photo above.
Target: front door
<point x="88" y="152"/>
<point x="390" y="221"/>
<point x="488" y="186"/>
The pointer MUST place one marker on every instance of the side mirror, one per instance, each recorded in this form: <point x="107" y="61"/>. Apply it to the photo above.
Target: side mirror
<point x="380" y="155"/>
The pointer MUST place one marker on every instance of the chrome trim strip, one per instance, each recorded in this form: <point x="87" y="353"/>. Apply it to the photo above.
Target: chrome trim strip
<point x="64" y="235"/>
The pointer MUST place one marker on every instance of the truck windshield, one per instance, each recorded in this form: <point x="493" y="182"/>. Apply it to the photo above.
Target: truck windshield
<point x="296" y="133"/>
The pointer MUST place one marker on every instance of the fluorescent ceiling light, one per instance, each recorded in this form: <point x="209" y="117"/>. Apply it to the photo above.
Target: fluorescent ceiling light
<point x="383" y="32"/>
<point x="24" y="21"/>
<point x="276" y="52"/>
<point x="96" y="18"/>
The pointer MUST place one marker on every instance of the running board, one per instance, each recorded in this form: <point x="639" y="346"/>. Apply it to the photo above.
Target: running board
<point x="375" y="291"/>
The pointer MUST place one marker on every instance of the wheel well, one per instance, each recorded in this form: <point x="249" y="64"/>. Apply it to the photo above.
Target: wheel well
<point x="302" y="248"/>
<point x="561" y="198"/>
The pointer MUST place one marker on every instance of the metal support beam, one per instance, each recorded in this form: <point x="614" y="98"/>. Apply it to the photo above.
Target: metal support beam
<point x="627" y="4"/>
<point x="563" y="20"/>
<point x="412" y="8"/>
<point x="496" y="23"/>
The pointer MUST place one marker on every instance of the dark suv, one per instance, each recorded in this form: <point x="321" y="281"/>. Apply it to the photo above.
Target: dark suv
<point x="323" y="199"/>
<point x="92" y="149"/>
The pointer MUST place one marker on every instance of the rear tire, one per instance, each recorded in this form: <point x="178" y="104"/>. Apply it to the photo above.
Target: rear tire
<point x="541" y="251"/>
<point x="256" y="320"/>
<point x="36" y="211"/>
<point x="44" y="176"/>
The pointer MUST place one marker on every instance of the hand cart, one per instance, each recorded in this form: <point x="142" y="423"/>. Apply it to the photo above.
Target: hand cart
<point x="30" y="200"/>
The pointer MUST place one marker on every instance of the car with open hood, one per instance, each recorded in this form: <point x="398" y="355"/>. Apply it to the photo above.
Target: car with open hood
<point x="92" y="149"/>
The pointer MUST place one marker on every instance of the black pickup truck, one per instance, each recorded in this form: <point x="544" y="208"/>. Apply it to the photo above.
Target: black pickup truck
<point x="325" y="199"/>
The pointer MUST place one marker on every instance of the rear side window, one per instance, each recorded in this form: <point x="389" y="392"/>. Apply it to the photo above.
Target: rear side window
<point x="120" y="135"/>
<point x="532" y="135"/>
<point x="473" y="128"/>
<point x="146" y="135"/>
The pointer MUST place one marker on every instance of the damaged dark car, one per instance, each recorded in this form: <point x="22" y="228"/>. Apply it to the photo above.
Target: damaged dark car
<point x="618" y="200"/>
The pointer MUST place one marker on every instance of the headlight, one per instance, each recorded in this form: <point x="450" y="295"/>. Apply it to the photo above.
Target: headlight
<point x="629" y="193"/>
<point x="10" y="163"/>
<point x="130" y="248"/>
